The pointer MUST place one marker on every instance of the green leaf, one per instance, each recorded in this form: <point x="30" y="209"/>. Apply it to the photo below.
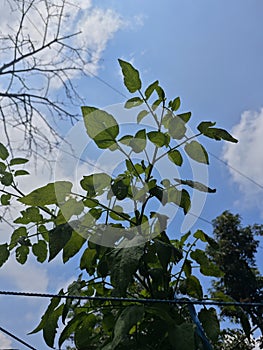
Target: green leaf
<point x="4" y="253"/>
<point x="182" y="337"/>
<point x="71" y="327"/>
<point x="31" y="214"/>
<point x="185" y="201"/>
<point x="207" y="267"/>
<point x="184" y="116"/>
<point x="68" y="209"/>
<point x="101" y="126"/>
<point x="17" y="235"/>
<point x="133" y="102"/>
<point x="83" y="333"/>
<point x="6" y="179"/>
<point x="5" y="199"/>
<point x="176" y="128"/>
<point x="21" y="173"/>
<point x="141" y="115"/>
<point x="3" y="152"/>
<point x="175" y="104"/>
<point x="2" y="167"/>
<point x="196" y="185"/>
<point x="88" y="261"/>
<point x="52" y="193"/>
<point x="120" y="189"/>
<point x="192" y="287"/>
<point x="73" y="246"/>
<point x="206" y="128"/>
<point x="128" y="318"/>
<point x="16" y="161"/>
<point x="126" y="140"/>
<point x="95" y="184"/>
<point x="51" y="325"/>
<point x="22" y="253"/>
<point x="58" y="238"/>
<point x="159" y="193"/>
<point x="39" y="249"/>
<point x="210" y="323"/>
<point x="158" y="138"/>
<point x="200" y="235"/>
<point x="175" y="157"/>
<point x="124" y="262"/>
<point x="138" y="143"/>
<point x="197" y="152"/>
<point x="150" y="89"/>
<point x="131" y="76"/>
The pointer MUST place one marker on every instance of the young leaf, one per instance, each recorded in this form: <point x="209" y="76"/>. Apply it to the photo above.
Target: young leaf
<point x="3" y="152"/>
<point x="150" y="89"/>
<point x="133" y="102"/>
<point x="39" y="249"/>
<point x="6" y="179"/>
<point x="138" y="143"/>
<point x="16" y="161"/>
<point x="21" y="173"/>
<point x="58" y="238"/>
<point x="5" y="199"/>
<point x="158" y="138"/>
<point x="101" y="126"/>
<point x="131" y="76"/>
<point x="52" y="193"/>
<point x="197" y="152"/>
<point x="175" y="157"/>
<point x="22" y="253"/>
<point x="175" y="104"/>
<point x="141" y="115"/>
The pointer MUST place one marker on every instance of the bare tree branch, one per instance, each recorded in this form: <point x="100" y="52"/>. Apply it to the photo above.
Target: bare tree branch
<point x="38" y="60"/>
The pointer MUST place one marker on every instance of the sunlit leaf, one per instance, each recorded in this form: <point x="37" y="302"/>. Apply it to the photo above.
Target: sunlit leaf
<point x="150" y="89"/>
<point x="158" y="138"/>
<point x="101" y="126"/>
<point x="176" y="128"/>
<point x="197" y="152"/>
<point x="133" y="102"/>
<point x="131" y="76"/>
<point x="53" y="193"/>
<point x="175" y="104"/>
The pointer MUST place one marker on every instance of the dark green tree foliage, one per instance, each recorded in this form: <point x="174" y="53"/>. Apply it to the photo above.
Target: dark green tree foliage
<point x="122" y="254"/>
<point x="241" y="280"/>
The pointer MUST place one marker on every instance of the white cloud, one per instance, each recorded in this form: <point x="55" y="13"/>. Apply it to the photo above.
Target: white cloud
<point x="5" y="341"/>
<point x="247" y="157"/>
<point x="29" y="277"/>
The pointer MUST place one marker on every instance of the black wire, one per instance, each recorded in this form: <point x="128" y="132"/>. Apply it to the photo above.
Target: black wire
<point x="17" y="339"/>
<point x="183" y="301"/>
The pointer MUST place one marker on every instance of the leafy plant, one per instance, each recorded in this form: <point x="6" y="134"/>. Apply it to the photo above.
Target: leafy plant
<point x="123" y="254"/>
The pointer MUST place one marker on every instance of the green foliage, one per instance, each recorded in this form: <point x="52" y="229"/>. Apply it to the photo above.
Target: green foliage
<point x="121" y="253"/>
<point x="240" y="279"/>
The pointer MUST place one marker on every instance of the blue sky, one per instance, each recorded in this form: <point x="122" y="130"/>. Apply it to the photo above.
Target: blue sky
<point x="209" y="53"/>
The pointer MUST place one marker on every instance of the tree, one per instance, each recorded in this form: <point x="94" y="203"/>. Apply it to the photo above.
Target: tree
<point x="123" y="253"/>
<point x="241" y="280"/>
<point x="38" y="56"/>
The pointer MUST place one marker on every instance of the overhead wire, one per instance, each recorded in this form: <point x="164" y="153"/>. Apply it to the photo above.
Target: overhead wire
<point x="21" y="341"/>
<point x="176" y="300"/>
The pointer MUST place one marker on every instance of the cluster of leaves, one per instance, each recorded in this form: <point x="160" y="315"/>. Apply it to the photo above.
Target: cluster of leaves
<point x="124" y="254"/>
<point x="241" y="280"/>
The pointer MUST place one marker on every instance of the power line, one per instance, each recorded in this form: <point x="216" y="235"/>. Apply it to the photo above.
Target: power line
<point x="236" y="170"/>
<point x="181" y="301"/>
<point x="17" y="339"/>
